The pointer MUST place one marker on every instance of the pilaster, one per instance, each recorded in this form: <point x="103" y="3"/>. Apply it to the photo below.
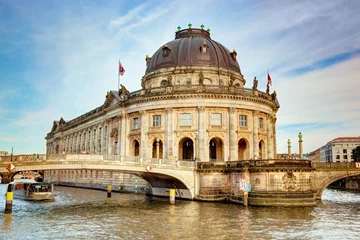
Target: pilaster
<point x="203" y="154"/>
<point x="143" y="136"/>
<point x="232" y="134"/>
<point x="169" y="133"/>
<point x="255" y="135"/>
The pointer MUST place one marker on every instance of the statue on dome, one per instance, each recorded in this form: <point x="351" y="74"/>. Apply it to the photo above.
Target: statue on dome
<point x="201" y="78"/>
<point x="255" y="84"/>
<point x="169" y="80"/>
<point x="273" y="96"/>
<point x="267" y="89"/>
<point x="143" y="83"/>
<point x="232" y="79"/>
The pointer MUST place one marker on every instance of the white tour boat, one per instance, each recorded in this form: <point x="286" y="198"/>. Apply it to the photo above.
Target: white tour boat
<point x="32" y="190"/>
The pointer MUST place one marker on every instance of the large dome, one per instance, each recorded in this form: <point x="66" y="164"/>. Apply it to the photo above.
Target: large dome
<point x="192" y="47"/>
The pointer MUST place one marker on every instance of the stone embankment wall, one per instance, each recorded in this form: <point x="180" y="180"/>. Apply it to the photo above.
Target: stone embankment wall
<point x="94" y="179"/>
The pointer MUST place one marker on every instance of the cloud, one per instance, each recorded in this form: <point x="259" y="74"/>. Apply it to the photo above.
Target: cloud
<point x="75" y="52"/>
<point x="327" y="97"/>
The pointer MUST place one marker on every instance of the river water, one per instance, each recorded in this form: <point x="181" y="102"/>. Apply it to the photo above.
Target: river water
<point x="87" y="214"/>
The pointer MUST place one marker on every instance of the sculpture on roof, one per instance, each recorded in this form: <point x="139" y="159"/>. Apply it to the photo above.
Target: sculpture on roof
<point x="124" y="91"/>
<point x="267" y="89"/>
<point x="255" y="84"/>
<point x="273" y="96"/>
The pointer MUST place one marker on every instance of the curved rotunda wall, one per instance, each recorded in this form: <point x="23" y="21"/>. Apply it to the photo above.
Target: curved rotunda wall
<point x="191" y="118"/>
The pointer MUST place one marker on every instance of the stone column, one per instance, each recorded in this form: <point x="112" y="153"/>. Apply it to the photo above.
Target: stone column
<point x="269" y="129"/>
<point x="232" y="135"/>
<point x="274" y="134"/>
<point x="300" y="145"/>
<point x="203" y="147"/>
<point x="255" y="135"/>
<point x="101" y="134"/>
<point x="121" y="135"/>
<point x="169" y="133"/>
<point x="157" y="148"/>
<point x="108" y="137"/>
<point x="289" y="148"/>
<point x="143" y="137"/>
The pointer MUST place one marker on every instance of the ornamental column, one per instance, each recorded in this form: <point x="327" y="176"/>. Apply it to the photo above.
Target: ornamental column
<point x="169" y="133"/>
<point x="203" y="154"/>
<point x="289" y="148"/>
<point x="300" y="145"/>
<point x="232" y="135"/>
<point x="255" y="135"/>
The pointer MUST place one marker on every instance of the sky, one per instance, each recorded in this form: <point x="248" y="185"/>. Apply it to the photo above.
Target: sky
<point x="59" y="59"/>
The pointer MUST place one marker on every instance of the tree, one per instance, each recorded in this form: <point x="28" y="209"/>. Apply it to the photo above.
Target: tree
<point x="356" y="154"/>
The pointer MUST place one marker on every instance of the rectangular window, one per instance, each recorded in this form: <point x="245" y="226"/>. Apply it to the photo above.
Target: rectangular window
<point x="261" y="123"/>
<point x="345" y="156"/>
<point x="242" y="120"/>
<point x="215" y="119"/>
<point x="156" y="120"/>
<point x="344" y="150"/>
<point x="352" y="156"/>
<point x="185" y="119"/>
<point x="337" y="156"/>
<point x="136" y="123"/>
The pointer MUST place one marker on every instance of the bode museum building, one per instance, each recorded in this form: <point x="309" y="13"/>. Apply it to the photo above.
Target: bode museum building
<point x="192" y="105"/>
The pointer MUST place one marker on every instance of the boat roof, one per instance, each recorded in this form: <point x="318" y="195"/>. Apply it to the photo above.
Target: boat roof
<point x="28" y="181"/>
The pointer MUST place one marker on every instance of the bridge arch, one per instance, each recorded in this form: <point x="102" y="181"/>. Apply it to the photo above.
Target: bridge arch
<point x="333" y="178"/>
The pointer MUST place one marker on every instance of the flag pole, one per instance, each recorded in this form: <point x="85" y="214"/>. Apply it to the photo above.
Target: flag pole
<point x="118" y="86"/>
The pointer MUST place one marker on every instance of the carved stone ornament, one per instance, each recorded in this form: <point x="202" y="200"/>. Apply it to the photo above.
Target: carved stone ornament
<point x="289" y="182"/>
<point x="114" y="132"/>
<point x="232" y="110"/>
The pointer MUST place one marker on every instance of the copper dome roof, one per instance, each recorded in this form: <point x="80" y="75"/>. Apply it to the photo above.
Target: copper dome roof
<point x="186" y="50"/>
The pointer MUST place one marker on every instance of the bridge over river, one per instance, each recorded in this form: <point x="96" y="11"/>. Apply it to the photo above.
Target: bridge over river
<point x="271" y="182"/>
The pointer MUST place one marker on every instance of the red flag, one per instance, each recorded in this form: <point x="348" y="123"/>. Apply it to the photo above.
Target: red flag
<point x="269" y="79"/>
<point x="121" y="69"/>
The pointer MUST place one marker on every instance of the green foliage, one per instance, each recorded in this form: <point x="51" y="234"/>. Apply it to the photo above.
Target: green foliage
<point x="356" y="153"/>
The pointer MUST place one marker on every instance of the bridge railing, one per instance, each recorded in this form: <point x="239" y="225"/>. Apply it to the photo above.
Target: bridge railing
<point x="97" y="158"/>
<point x="254" y="164"/>
<point x="334" y="165"/>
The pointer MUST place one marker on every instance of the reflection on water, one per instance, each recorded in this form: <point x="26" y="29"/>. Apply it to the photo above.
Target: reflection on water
<point x="88" y="214"/>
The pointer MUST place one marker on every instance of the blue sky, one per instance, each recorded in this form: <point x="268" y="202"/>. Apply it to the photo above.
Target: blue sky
<point x="59" y="58"/>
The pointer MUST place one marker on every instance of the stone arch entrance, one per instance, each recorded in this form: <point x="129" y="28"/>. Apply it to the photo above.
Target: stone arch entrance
<point x="262" y="150"/>
<point x="186" y="149"/>
<point x="242" y="149"/>
<point x="157" y="149"/>
<point x="136" y="148"/>
<point x="216" y="150"/>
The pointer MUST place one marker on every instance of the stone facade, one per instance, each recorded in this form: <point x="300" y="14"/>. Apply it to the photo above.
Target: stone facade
<point x="183" y="111"/>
